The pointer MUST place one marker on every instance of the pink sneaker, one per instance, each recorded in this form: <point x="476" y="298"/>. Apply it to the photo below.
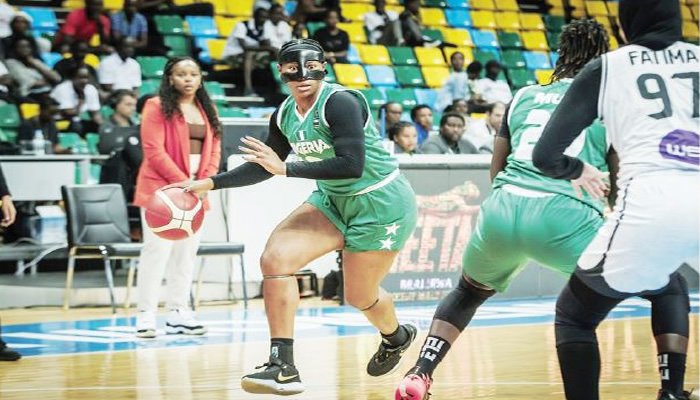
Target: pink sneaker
<point x="413" y="387"/>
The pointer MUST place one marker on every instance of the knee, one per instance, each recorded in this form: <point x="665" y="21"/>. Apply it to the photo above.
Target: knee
<point x="272" y="261"/>
<point x="360" y="299"/>
<point x="574" y="322"/>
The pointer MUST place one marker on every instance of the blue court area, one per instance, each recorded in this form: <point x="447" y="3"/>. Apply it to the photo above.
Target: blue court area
<point x="237" y="326"/>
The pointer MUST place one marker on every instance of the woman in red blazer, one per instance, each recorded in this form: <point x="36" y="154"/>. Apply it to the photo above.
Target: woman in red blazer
<point x="180" y="137"/>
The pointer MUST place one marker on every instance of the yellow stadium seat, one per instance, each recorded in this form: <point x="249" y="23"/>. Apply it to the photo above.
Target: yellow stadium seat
<point x="534" y="40"/>
<point x="559" y="12"/>
<point x="482" y="4"/>
<point x="467" y="51"/>
<point x="458" y="37"/>
<point x="429" y="56"/>
<point x="507" y="20"/>
<point x="216" y="48"/>
<point x="531" y="21"/>
<point x="113" y="4"/>
<point x="435" y="77"/>
<point x="356" y="31"/>
<point x="356" y="11"/>
<point x="73" y="4"/>
<point x="483" y="19"/>
<point x="92" y="60"/>
<point x="690" y="30"/>
<point x="432" y="16"/>
<point x="685" y="12"/>
<point x="596" y="8"/>
<point x="225" y="25"/>
<point x="613" y="42"/>
<point x="544" y="76"/>
<point x="579" y="10"/>
<point x="183" y="2"/>
<point x="605" y="21"/>
<point x="507" y="5"/>
<point x="351" y="75"/>
<point x="614" y="8"/>
<point x="556" y="3"/>
<point x="373" y="54"/>
<point x="221" y="8"/>
<point x="395" y="8"/>
<point x="29" y="110"/>
<point x="239" y="8"/>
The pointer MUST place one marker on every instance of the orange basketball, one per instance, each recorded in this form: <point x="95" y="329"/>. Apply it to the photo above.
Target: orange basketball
<point x="174" y="214"/>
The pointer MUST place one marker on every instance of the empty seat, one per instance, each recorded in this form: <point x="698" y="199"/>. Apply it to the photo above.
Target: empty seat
<point x="482" y="4"/>
<point x="435" y="77"/>
<point x="544" y="76"/>
<point x="510" y="40"/>
<point x="458" y="4"/>
<point x="405" y="96"/>
<point x="374" y="54"/>
<point x="531" y="21"/>
<point x="459" y="18"/>
<point x="216" y="48"/>
<point x="241" y="8"/>
<point x="521" y="78"/>
<point x="429" y="56"/>
<point x="596" y="8"/>
<point x="535" y="40"/>
<point x="690" y="30"/>
<point x="457" y="37"/>
<point x="225" y="25"/>
<point x="433" y="34"/>
<point x="51" y="59"/>
<point x="351" y="75"/>
<point x="43" y="19"/>
<point x="356" y="11"/>
<point x="537" y="60"/>
<point x="380" y="76"/>
<point x="483" y="56"/>
<point x="9" y="116"/>
<point x="426" y="96"/>
<point x="409" y="76"/>
<point x="202" y="46"/>
<point x="202" y="26"/>
<point x="553" y="40"/>
<point x="554" y="23"/>
<point x="402" y="56"/>
<point x="427" y="3"/>
<point x="482" y="38"/>
<point x="507" y="20"/>
<point x="179" y="45"/>
<point x="353" y="55"/>
<point x="432" y="16"/>
<point x="374" y="97"/>
<point x="356" y="31"/>
<point x="513" y="59"/>
<point x="152" y="67"/>
<point x="169" y="24"/>
<point x="553" y="57"/>
<point x="507" y="5"/>
<point x="483" y="19"/>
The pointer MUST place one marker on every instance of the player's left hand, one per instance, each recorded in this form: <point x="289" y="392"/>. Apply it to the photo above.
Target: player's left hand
<point x="592" y="181"/>
<point x="9" y="213"/>
<point x="260" y="153"/>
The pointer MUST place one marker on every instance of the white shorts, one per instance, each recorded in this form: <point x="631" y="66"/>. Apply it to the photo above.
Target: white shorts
<point x="651" y="232"/>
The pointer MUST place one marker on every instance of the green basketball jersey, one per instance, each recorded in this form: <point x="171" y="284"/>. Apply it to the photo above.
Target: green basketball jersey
<point x="529" y="112"/>
<point x="311" y="139"/>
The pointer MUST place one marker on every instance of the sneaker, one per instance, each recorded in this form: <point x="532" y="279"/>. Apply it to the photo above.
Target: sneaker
<point x="387" y="359"/>
<point x="182" y="321"/>
<point x="8" y="354"/>
<point x="146" y="325"/>
<point x="414" y="386"/>
<point x="665" y="395"/>
<point x="273" y="377"/>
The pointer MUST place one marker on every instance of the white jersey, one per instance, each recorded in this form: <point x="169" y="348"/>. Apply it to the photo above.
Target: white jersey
<point x="649" y="106"/>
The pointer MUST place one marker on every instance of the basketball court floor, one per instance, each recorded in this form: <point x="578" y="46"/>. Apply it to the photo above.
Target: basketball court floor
<point x="507" y="353"/>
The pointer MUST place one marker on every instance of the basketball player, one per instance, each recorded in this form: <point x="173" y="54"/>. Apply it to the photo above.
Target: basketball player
<point x="362" y="206"/>
<point x="646" y="94"/>
<point x="528" y="215"/>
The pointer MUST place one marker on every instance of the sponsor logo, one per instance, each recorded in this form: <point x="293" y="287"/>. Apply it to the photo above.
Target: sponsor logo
<point x="680" y="145"/>
<point x="282" y="378"/>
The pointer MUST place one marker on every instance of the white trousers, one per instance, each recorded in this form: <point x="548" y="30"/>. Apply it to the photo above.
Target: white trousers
<point x="174" y="259"/>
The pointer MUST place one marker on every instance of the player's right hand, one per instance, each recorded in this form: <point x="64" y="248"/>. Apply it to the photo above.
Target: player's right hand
<point x="592" y="181"/>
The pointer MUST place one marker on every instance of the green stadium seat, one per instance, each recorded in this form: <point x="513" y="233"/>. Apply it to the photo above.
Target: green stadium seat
<point x="149" y="86"/>
<point x="554" y="23"/>
<point x="9" y="116"/>
<point x="434" y="34"/>
<point x="179" y="45"/>
<point x="435" y="3"/>
<point x="152" y="67"/>
<point x="232" y="112"/>
<point x="169" y="24"/>
<point x="484" y="56"/>
<point x="68" y="139"/>
<point x="405" y="96"/>
<point x="374" y="97"/>
<point x="8" y="135"/>
<point x="402" y="56"/>
<point x="312" y="27"/>
<point x="553" y="40"/>
<point x="513" y="59"/>
<point x="409" y="76"/>
<point x="521" y="77"/>
<point x="510" y="40"/>
<point x="92" y="140"/>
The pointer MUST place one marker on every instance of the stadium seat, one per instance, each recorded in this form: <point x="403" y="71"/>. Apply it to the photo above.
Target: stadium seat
<point x="405" y="96"/>
<point x="201" y="45"/>
<point x="690" y="30"/>
<point x="531" y="21"/>
<point x="579" y="10"/>
<point x="28" y="110"/>
<point x="429" y="56"/>
<point x="215" y="90"/>
<point x="507" y="20"/>
<point x="356" y="11"/>
<point x="202" y="26"/>
<point x="351" y="75"/>
<point x="92" y="139"/>
<point x="507" y="5"/>
<point x="409" y="76"/>
<point x="216" y="48"/>
<point x="9" y="116"/>
<point x="553" y="57"/>
<point x="242" y="8"/>
<point x="356" y="32"/>
<point x="458" y="18"/>
<point x="596" y="8"/>
<point x="169" y="24"/>
<point x="467" y="51"/>
<point x="536" y="60"/>
<point x="179" y="45"/>
<point x="312" y="27"/>
<point x="483" y="19"/>
<point x="432" y="16"/>
<point x="482" y="4"/>
<point x="614" y="8"/>
<point x="521" y="78"/>
<point x="435" y="77"/>
<point x="225" y="25"/>
<point x="553" y="40"/>
<point x="484" y="56"/>
<point x="380" y="76"/>
<point x="43" y="18"/>
<point x="686" y="13"/>
<point x="554" y="23"/>
<point x="152" y="67"/>
<point x="374" y="54"/>
<point x="513" y="59"/>
<point x="433" y="34"/>
<point x="402" y="56"/>
<point x="374" y="97"/>
<point x="113" y="5"/>
<point x="8" y="135"/>
<point x="535" y="40"/>
<point x="330" y="74"/>
<point x="233" y="112"/>
<point x="482" y="38"/>
<point x="605" y="21"/>
<point x="427" y="3"/>
<point x="426" y="96"/>
<point x="544" y="76"/>
<point x="353" y="55"/>
<point x="510" y="40"/>
<point x="457" y="4"/>
<point x="149" y="86"/>
<point x="51" y="59"/>
<point x="290" y="6"/>
<point x="68" y="139"/>
<point x="458" y="37"/>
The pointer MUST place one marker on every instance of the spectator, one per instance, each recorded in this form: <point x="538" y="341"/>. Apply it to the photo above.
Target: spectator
<point x="335" y="41"/>
<point x="29" y="73"/>
<point x="457" y="85"/>
<point x="7" y="12"/>
<point x="422" y="117"/>
<point x="388" y="114"/>
<point x="84" y="23"/>
<point x="380" y="24"/>
<point x="248" y="46"/>
<point x="412" y="27"/>
<point x="277" y="30"/>
<point x="266" y="4"/>
<point x="492" y="89"/>
<point x="483" y="131"/>
<point x="405" y="138"/>
<point x="67" y="66"/>
<point x="130" y="23"/>
<point x="21" y="26"/>
<point x="76" y="96"/>
<point x="6" y="82"/>
<point x="315" y="10"/>
<point x="460" y="106"/>
<point x="46" y="123"/>
<point x="451" y="139"/>
<point x="299" y="31"/>
<point x="119" y="70"/>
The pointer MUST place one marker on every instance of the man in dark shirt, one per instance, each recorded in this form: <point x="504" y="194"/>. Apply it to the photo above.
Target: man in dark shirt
<point x="8" y="218"/>
<point x="46" y="123"/>
<point x="335" y="41"/>
<point x="67" y="66"/>
<point x="451" y="139"/>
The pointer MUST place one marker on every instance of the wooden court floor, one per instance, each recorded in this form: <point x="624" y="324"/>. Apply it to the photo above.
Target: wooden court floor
<point x="505" y="362"/>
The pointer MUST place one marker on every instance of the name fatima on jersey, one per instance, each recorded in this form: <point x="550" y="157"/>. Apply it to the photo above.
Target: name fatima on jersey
<point x="665" y="56"/>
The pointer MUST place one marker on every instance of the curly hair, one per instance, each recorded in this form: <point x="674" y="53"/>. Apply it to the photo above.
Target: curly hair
<point x="580" y="42"/>
<point x="170" y="97"/>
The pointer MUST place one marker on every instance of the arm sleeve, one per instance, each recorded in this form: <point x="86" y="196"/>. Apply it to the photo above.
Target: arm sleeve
<point x="504" y="131"/>
<point x="577" y="110"/>
<point x="252" y="173"/>
<point x="346" y="119"/>
<point x="153" y="142"/>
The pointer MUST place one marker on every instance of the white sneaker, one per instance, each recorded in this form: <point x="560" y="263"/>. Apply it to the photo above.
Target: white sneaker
<point x="146" y="324"/>
<point x="182" y="321"/>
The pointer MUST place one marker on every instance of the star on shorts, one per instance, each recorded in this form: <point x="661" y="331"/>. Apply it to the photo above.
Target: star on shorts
<point x="391" y="229"/>
<point x="387" y="243"/>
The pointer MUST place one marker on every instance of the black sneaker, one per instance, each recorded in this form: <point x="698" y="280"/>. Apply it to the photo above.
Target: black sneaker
<point x="387" y="359"/>
<point x="7" y="354"/>
<point x="666" y="395"/>
<point x="273" y="377"/>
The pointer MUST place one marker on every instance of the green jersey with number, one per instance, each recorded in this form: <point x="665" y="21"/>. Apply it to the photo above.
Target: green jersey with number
<point x="529" y="112"/>
<point x="311" y="139"/>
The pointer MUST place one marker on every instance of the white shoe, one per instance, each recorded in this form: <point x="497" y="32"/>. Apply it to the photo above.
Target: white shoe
<point x="182" y="321"/>
<point x="146" y="324"/>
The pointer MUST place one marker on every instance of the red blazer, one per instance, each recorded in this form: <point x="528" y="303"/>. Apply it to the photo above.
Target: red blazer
<point x="166" y="152"/>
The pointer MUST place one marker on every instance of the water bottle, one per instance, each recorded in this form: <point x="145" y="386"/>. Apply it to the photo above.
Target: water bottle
<point x="38" y="143"/>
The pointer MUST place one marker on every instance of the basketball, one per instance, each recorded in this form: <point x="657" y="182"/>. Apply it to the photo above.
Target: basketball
<point x="174" y="214"/>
